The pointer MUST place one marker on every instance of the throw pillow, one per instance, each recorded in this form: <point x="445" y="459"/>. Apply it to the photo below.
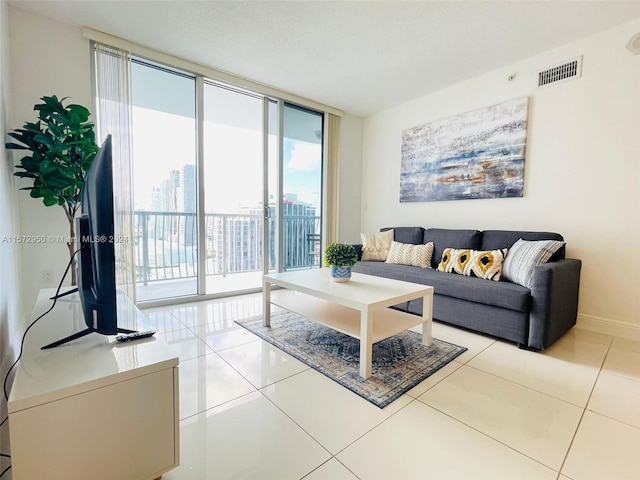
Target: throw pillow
<point x="409" y="254"/>
<point x="486" y="264"/>
<point x="375" y="246"/>
<point x="524" y="255"/>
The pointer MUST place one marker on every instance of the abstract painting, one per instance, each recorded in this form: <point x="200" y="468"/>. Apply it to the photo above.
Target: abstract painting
<point x="479" y="154"/>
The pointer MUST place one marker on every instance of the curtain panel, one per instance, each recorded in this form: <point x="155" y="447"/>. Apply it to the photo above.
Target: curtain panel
<point x="332" y="177"/>
<point x="112" y="82"/>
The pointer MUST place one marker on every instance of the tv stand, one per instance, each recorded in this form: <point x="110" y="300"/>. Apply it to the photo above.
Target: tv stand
<point x="95" y="408"/>
<point x="80" y="334"/>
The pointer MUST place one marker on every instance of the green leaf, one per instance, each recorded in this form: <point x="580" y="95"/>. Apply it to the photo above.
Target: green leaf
<point x="15" y="146"/>
<point x="78" y="112"/>
<point x="25" y="175"/>
<point x="62" y="146"/>
<point x="44" y="139"/>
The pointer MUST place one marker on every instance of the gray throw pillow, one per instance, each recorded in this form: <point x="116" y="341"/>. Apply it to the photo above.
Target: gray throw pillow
<point x="524" y="255"/>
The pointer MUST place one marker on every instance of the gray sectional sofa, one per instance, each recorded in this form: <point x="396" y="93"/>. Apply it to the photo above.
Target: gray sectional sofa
<point x="533" y="317"/>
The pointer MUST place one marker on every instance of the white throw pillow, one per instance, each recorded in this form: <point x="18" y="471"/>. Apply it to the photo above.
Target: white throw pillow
<point x="408" y="254"/>
<point x="524" y="255"/>
<point x="375" y="246"/>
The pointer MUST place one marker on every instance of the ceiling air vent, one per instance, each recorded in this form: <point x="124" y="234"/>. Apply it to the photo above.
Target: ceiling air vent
<point x="560" y="73"/>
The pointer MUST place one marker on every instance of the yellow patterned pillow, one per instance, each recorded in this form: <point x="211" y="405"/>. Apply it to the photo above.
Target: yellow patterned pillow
<point x="485" y="264"/>
<point x="375" y="246"/>
<point x="409" y="254"/>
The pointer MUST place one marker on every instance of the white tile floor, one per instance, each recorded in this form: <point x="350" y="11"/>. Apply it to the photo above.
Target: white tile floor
<point x="250" y="411"/>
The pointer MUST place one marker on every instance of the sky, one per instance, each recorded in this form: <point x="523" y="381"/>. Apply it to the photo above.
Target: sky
<point x="233" y="161"/>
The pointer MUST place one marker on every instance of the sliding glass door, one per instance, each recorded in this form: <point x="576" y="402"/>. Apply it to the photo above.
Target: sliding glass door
<point x="233" y="182"/>
<point x="294" y="187"/>
<point x="164" y="181"/>
<point x="227" y="185"/>
<point x="302" y="188"/>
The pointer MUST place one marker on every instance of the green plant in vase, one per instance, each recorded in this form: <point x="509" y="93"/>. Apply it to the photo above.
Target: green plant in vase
<point x="62" y="146"/>
<point x="340" y="257"/>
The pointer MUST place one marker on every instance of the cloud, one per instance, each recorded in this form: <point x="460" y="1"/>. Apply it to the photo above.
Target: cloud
<point x="305" y="156"/>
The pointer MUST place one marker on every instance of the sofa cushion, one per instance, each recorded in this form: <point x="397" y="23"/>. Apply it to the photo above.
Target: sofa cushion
<point x="485" y="264"/>
<point x="498" y="294"/>
<point x="411" y="235"/>
<point x="493" y="239"/>
<point x="375" y="246"/>
<point x="408" y="254"/>
<point x="445" y="238"/>
<point x="524" y="256"/>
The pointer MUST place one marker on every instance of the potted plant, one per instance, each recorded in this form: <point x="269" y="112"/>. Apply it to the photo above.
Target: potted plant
<point x="62" y="146"/>
<point x="340" y="257"/>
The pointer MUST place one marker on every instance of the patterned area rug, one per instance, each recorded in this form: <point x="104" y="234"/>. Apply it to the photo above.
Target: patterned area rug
<point x="399" y="362"/>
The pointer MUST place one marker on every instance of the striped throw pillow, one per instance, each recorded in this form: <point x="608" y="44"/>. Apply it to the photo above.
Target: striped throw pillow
<point x="524" y="255"/>
<point x="408" y="254"/>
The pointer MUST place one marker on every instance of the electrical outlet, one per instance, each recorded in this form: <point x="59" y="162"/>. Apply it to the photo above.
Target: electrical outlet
<point x="47" y="277"/>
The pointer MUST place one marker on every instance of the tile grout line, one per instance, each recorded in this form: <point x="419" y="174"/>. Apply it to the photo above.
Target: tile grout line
<point x="539" y="391"/>
<point x="531" y="389"/>
<point x="294" y="422"/>
<point x="180" y="420"/>
<point x="526" y="386"/>
<point x="584" y="410"/>
<point x="489" y="437"/>
<point x="411" y="400"/>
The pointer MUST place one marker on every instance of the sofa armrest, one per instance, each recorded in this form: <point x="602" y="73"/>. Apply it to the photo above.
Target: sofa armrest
<point x="358" y="247"/>
<point x="554" y="297"/>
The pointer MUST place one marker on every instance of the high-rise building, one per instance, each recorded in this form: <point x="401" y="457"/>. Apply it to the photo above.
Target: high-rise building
<point x="187" y="204"/>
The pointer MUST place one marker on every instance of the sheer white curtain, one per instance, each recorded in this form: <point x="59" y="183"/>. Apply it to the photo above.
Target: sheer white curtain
<point x="112" y="70"/>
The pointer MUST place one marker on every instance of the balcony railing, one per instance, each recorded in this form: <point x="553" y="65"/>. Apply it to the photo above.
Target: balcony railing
<point x="166" y="244"/>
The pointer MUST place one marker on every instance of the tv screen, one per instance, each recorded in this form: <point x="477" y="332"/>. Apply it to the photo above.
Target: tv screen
<point x="96" y="264"/>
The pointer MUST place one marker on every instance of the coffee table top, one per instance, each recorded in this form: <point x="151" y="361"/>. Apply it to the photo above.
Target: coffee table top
<point x="361" y="291"/>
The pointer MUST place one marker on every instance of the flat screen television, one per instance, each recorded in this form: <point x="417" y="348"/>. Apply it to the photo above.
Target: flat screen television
<point x="96" y="269"/>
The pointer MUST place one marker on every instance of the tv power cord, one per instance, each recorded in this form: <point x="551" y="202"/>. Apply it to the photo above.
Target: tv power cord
<point x="24" y="336"/>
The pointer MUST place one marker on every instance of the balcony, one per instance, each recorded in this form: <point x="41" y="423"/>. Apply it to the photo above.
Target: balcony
<point x="166" y="251"/>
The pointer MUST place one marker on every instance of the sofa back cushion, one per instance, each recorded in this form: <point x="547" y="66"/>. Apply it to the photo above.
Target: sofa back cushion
<point x="411" y="235"/>
<point x="446" y="238"/>
<point x="495" y="239"/>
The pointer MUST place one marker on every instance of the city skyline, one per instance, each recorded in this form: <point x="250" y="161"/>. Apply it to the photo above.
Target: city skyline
<point x="155" y="155"/>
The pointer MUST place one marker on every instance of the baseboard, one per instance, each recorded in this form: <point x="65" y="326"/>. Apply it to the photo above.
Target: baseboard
<point x="610" y="327"/>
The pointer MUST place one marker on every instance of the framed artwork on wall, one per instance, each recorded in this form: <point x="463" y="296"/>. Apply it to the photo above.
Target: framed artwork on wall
<point x="478" y="154"/>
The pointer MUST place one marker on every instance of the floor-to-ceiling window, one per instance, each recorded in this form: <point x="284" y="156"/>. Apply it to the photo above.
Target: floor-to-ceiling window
<point x="247" y="144"/>
<point x="164" y="150"/>
<point x="233" y="178"/>
<point x="302" y="187"/>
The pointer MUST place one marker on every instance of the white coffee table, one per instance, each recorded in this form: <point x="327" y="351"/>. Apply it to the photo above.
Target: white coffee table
<point x="357" y="308"/>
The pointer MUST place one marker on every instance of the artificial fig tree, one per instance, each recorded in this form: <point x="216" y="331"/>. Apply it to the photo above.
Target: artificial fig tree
<point x="62" y="146"/>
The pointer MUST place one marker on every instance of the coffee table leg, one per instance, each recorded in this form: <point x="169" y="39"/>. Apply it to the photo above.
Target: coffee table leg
<point x="427" y="319"/>
<point x="366" y="348"/>
<point x="266" y="304"/>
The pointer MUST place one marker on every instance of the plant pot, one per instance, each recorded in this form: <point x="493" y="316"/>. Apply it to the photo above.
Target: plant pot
<point x="340" y="274"/>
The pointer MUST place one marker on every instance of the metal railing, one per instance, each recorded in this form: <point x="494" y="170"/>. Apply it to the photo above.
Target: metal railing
<point x="166" y="244"/>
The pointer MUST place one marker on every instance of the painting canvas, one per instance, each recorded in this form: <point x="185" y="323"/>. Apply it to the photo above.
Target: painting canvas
<point x="479" y="154"/>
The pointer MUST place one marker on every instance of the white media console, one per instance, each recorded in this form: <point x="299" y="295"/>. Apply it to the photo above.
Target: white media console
<point x="93" y="408"/>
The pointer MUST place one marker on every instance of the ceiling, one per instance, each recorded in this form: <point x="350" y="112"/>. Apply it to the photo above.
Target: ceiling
<point x="358" y="56"/>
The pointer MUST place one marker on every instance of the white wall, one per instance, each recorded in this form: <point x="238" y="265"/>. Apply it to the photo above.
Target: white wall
<point x="581" y="170"/>
<point x="51" y="58"/>
<point x="47" y="58"/>
<point x="350" y="182"/>
<point x="11" y="309"/>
